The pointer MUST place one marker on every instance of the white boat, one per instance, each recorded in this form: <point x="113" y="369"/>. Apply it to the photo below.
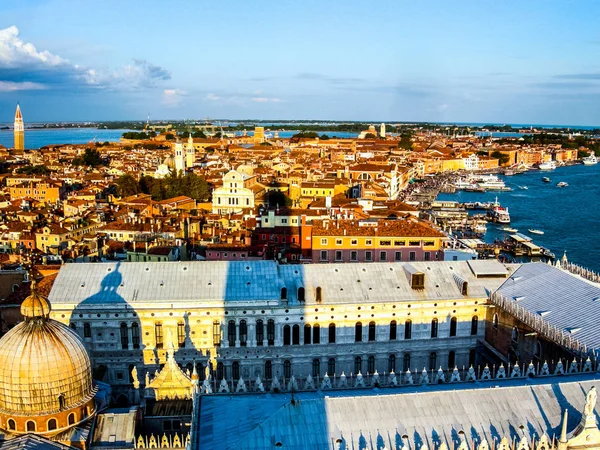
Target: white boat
<point x="548" y="165"/>
<point x="498" y="213"/>
<point x="533" y="231"/>
<point x="509" y="230"/>
<point x="523" y="187"/>
<point x="590" y="160"/>
<point x="562" y="184"/>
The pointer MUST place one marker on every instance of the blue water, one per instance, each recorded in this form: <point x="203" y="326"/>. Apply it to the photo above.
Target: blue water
<point x="568" y="216"/>
<point x="37" y="138"/>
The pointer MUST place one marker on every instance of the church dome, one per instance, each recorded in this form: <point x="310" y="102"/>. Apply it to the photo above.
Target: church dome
<point x="45" y="373"/>
<point x="169" y="162"/>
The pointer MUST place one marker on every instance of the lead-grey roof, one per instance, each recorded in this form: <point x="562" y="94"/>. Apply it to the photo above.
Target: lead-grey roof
<point x="218" y="281"/>
<point x="566" y="301"/>
<point x="374" y="419"/>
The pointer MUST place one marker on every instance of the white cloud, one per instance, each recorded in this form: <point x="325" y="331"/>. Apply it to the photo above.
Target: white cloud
<point x="22" y="65"/>
<point x="15" y="53"/>
<point x="173" y="97"/>
<point x="212" y="97"/>
<point x="12" y="86"/>
<point x="266" y="99"/>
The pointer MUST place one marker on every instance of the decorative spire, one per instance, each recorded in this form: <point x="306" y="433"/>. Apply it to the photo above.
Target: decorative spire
<point x="35" y="305"/>
<point x="18" y="115"/>
<point x="563" y="434"/>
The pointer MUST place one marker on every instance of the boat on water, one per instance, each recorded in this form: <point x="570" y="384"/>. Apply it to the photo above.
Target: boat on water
<point x="534" y="231"/>
<point x="509" y="230"/>
<point x="475" y="188"/>
<point x="562" y="184"/>
<point x="523" y="187"/>
<point x="590" y="160"/>
<point x="546" y="180"/>
<point x="548" y="165"/>
<point x="498" y="213"/>
<point x="491" y="183"/>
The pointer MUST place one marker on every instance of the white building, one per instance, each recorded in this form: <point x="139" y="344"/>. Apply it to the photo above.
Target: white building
<point x="235" y="195"/>
<point x="472" y="162"/>
<point x="179" y="157"/>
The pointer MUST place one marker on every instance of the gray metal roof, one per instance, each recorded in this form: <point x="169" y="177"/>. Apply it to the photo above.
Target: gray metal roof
<point x="115" y="429"/>
<point x="216" y="281"/>
<point x="374" y="419"/>
<point x="564" y="300"/>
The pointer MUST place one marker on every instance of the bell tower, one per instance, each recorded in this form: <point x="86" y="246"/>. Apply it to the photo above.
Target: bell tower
<point x="19" y="130"/>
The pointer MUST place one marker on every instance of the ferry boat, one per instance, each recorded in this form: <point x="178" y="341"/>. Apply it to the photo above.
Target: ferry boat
<point x="548" y="165"/>
<point x="562" y="184"/>
<point x="546" y="180"/>
<point x="534" y="231"/>
<point x="590" y="160"/>
<point x="509" y="230"/>
<point x="475" y="188"/>
<point x="498" y="213"/>
<point x="492" y="183"/>
<point x="463" y="184"/>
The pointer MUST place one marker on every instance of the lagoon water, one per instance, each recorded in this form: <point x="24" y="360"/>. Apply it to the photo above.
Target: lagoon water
<point x="36" y="138"/>
<point x="569" y="217"/>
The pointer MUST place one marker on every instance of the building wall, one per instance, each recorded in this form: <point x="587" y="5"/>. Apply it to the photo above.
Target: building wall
<point x="203" y="325"/>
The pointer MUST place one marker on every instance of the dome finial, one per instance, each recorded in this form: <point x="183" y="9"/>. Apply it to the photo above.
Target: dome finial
<point x="35" y="305"/>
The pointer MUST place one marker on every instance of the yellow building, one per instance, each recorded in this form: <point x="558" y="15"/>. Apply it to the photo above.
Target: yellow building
<point x="19" y="130"/>
<point x="42" y="191"/>
<point x="259" y="135"/>
<point x="381" y="241"/>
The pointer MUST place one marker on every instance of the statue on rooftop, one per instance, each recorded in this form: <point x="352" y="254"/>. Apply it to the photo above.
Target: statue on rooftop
<point x="590" y="402"/>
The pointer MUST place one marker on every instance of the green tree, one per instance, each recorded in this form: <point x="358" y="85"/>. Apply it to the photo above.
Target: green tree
<point x="34" y="170"/>
<point x="146" y="183"/>
<point x="277" y="198"/>
<point x="91" y="157"/>
<point x="127" y="185"/>
<point x="370" y="136"/>
<point x="405" y="142"/>
<point x="199" y="134"/>
<point x="324" y="137"/>
<point x="501" y="157"/>
<point x="170" y="137"/>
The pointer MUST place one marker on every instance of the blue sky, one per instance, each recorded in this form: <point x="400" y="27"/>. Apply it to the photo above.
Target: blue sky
<point x="463" y="61"/>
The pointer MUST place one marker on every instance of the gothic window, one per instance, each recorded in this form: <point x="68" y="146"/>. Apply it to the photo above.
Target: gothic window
<point x="316" y="367"/>
<point x="52" y="424"/>
<point x="158" y="334"/>
<point x="453" y="326"/>
<point x="135" y="335"/>
<point x="296" y="335"/>
<point x="319" y="295"/>
<point x="301" y="294"/>
<point x="271" y="332"/>
<point x="235" y="370"/>
<point x="243" y="333"/>
<point x="406" y="362"/>
<point x="358" y="332"/>
<point x="181" y="334"/>
<point x="371" y="364"/>
<point x="357" y="364"/>
<point x="260" y="332"/>
<point x="371" y="331"/>
<point x="392" y="363"/>
<point x="287" y="335"/>
<point x="393" y="330"/>
<point x="268" y="370"/>
<point x="217" y="332"/>
<point x="495" y="321"/>
<point x="434" y="328"/>
<point x="474" y="323"/>
<point x="307" y="334"/>
<point x="87" y="330"/>
<point x="221" y="371"/>
<point x="432" y="360"/>
<point x="332" y="333"/>
<point x="316" y="334"/>
<point x="283" y="293"/>
<point x="231" y="333"/>
<point x="451" y="359"/>
<point x="331" y="366"/>
<point x="287" y="369"/>
<point x="124" y="336"/>
<point x="408" y="329"/>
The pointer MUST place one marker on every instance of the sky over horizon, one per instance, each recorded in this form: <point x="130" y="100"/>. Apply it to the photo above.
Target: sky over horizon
<point x="462" y="61"/>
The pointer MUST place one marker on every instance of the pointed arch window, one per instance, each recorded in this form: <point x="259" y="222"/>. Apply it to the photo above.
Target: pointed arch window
<point x="87" y="330"/>
<point x="358" y="332"/>
<point x="331" y="366"/>
<point x="332" y="333"/>
<point x="135" y="335"/>
<point x="307" y="334"/>
<point x="158" y="334"/>
<point x="231" y="333"/>
<point x="181" y="334"/>
<point x="296" y="335"/>
<point x="372" y="331"/>
<point x="434" y="328"/>
<point x="393" y="330"/>
<point x="406" y="362"/>
<point x="316" y="334"/>
<point x="287" y="335"/>
<point x="453" y="323"/>
<point x="124" y="336"/>
<point x="474" y="325"/>
<point x="408" y="329"/>
<point x="243" y="333"/>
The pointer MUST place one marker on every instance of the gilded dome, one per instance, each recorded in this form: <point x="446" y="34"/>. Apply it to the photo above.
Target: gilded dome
<point x="44" y="367"/>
